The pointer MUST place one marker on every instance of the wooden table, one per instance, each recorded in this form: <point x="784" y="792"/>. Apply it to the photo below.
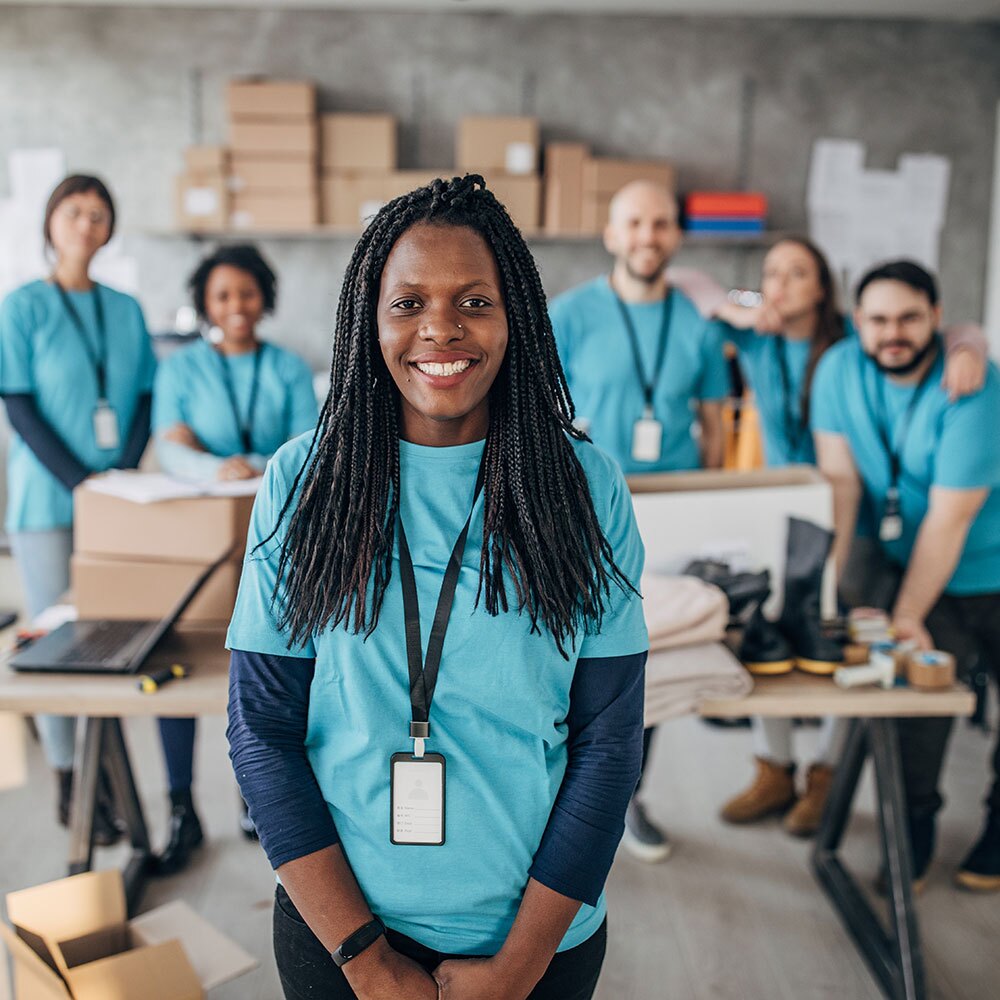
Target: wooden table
<point x="102" y="701"/>
<point x="894" y="955"/>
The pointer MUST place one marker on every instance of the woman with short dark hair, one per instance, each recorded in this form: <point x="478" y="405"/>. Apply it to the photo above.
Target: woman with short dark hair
<point x="442" y="812"/>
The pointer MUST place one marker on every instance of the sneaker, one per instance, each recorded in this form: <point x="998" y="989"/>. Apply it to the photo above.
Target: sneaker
<point x="980" y="871"/>
<point x="644" y="839"/>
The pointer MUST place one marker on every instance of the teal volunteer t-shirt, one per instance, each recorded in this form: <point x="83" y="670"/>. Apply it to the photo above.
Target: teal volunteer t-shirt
<point x="949" y="444"/>
<point x="498" y="714"/>
<point x="191" y="389"/>
<point x="42" y="352"/>
<point x="597" y="358"/>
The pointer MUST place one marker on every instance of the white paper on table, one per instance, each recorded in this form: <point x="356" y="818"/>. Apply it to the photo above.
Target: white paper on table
<point x="153" y="487"/>
<point x="13" y="753"/>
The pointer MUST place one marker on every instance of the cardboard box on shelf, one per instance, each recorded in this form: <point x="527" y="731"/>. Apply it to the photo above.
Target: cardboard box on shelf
<point x="404" y="181"/>
<point x="206" y="159"/>
<point x="594" y="212"/>
<point x="261" y="98"/>
<point x="563" y="196"/>
<point x="276" y="138"/>
<point x="364" y="142"/>
<point x="738" y="517"/>
<point x="196" y="530"/>
<point x="606" y="176"/>
<point x="260" y="173"/>
<point x="350" y="199"/>
<point x="521" y="196"/>
<point x="201" y="202"/>
<point x="282" y="210"/>
<point x="72" y="940"/>
<point x="497" y="142"/>
<point x="146" y="589"/>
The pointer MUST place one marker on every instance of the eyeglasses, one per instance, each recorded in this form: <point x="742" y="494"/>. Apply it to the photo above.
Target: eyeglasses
<point x="97" y="217"/>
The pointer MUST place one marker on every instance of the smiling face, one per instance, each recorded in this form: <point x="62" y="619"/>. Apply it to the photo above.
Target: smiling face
<point x="80" y="226"/>
<point x="643" y="231"/>
<point x="442" y="329"/>
<point x="234" y="303"/>
<point x="896" y="324"/>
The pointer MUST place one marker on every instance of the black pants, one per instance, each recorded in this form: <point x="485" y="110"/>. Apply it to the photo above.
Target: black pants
<point x="967" y="627"/>
<point x="307" y="972"/>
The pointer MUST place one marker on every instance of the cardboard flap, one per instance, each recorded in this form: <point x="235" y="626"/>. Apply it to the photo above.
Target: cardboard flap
<point x="157" y="972"/>
<point x="33" y="978"/>
<point x="214" y="957"/>
<point x="91" y="947"/>
<point x="69" y="908"/>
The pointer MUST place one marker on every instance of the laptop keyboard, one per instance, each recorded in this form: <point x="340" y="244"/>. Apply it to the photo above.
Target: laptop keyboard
<point x="103" y="642"/>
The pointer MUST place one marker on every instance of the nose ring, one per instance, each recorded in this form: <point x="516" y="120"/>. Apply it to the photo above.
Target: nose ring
<point x="459" y="325"/>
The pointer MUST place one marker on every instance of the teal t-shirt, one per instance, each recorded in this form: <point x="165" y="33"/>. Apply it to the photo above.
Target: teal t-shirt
<point x="42" y="353"/>
<point x="949" y="444"/>
<point x="191" y="389"/>
<point x="498" y="714"/>
<point x="594" y="347"/>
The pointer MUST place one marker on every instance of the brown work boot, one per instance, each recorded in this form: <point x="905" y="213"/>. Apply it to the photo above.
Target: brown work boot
<point x="804" y="819"/>
<point x="772" y="791"/>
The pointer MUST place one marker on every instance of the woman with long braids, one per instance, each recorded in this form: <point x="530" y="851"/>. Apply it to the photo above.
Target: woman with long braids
<point x="438" y="646"/>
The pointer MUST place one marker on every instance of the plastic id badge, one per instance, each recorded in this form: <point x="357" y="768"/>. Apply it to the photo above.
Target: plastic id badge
<point x="647" y="439"/>
<point x="416" y="799"/>
<point x="106" y="432"/>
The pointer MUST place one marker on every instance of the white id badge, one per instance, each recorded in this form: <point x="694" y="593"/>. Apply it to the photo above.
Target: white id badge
<point x="647" y="439"/>
<point x="891" y="528"/>
<point x="106" y="432"/>
<point x="416" y="799"/>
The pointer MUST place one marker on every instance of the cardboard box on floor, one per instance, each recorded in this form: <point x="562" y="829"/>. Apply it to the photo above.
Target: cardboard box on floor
<point x="731" y="516"/>
<point x="497" y="143"/>
<point x="260" y="98"/>
<point x="196" y="530"/>
<point x="363" y="142"/>
<point x="266" y="175"/>
<point x="146" y="589"/>
<point x="72" y="941"/>
<point x="564" y="187"/>
<point x="202" y="202"/>
<point x="290" y="210"/>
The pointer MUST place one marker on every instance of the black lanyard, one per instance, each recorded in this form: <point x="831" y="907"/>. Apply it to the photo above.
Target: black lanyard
<point x="795" y="424"/>
<point x="424" y="672"/>
<point x="243" y="427"/>
<point x="881" y="421"/>
<point x="98" y="359"/>
<point x="648" y="385"/>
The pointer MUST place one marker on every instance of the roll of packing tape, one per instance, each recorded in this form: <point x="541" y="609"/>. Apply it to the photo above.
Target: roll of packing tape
<point x="930" y="670"/>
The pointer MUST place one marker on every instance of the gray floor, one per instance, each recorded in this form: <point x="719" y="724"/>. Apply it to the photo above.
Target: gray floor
<point x="734" y="913"/>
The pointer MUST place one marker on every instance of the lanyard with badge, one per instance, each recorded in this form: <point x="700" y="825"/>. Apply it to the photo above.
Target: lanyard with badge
<point x="107" y="433"/>
<point x="890" y="528"/>
<point x="647" y="432"/>
<point x="417" y="778"/>
<point x="795" y="426"/>
<point x="244" y="427"/>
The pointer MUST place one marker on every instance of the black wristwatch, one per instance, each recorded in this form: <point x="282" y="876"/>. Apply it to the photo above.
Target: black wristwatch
<point x="352" y="946"/>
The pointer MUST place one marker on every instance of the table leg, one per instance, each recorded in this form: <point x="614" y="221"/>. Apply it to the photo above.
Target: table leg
<point x="894" y="958"/>
<point x="87" y="769"/>
<point x="127" y="799"/>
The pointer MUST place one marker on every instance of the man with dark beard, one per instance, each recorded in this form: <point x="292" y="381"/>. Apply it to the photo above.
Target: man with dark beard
<point x="645" y="368"/>
<point x="647" y="375"/>
<point x="930" y="468"/>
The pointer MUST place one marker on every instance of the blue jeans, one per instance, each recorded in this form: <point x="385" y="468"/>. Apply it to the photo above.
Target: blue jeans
<point x="42" y="559"/>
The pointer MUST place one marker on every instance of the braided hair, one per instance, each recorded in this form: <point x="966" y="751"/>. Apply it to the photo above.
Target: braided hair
<point x="540" y="530"/>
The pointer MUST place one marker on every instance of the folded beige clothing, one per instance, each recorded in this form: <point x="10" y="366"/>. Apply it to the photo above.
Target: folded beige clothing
<point x="678" y="680"/>
<point x="682" y="610"/>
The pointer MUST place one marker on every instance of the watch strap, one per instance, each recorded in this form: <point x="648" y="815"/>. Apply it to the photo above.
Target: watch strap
<point x="354" y="944"/>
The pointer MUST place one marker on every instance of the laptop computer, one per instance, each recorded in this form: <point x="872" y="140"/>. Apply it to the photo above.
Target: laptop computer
<point x="106" y="646"/>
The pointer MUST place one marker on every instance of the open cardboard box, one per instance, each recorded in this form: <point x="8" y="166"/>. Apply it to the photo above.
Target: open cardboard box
<point x="737" y="517"/>
<point x="72" y="941"/>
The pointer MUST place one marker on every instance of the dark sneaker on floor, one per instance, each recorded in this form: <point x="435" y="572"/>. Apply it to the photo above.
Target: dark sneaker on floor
<point x="980" y="871"/>
<point x="644" y="839"/>
<point x="923" y="834"/>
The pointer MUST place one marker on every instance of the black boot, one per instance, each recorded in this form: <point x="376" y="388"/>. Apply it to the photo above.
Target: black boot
<point x="185" y="835"/>
<point x="106" y="828"/>
<point x="764" y="650"/>
<point x="808" y="548"/>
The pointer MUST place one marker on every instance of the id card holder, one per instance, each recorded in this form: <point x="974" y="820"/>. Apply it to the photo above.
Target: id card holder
<point x="106" y="433"/>
<point x="890" y="528"/>
<point x="416" y="799"/>
<point x="647" y="438"/>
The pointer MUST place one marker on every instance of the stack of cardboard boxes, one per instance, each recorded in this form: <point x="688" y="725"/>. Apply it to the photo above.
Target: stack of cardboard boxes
<point x="579" y="187"/>
<point x="135" y="560"/>
<point x="505" y="150"/>
<point x="203" y="190"/>
<point x="273" y="142"/>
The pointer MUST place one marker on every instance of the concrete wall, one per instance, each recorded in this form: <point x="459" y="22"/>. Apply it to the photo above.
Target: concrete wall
<point x="123" y="90"/>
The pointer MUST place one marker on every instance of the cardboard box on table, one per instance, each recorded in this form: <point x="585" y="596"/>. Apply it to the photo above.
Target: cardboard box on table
<point x="737" y="517"/>
<point x="497" y="143"/>
<point x="358" y="142"/>
<point x="72" y="941"/>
